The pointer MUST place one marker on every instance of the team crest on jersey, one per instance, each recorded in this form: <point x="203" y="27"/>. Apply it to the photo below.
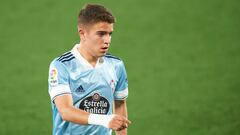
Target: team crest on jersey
<point x="96" y="104"/>
<point x="53" y="76"/>
<point x="112" y="85"/>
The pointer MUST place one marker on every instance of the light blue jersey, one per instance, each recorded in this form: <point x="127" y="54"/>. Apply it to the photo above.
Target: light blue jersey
<point x="93" y="89"/>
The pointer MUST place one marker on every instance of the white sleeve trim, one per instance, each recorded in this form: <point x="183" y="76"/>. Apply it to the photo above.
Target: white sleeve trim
<point x="59" y="90"/>
<point x="120" y="95"/>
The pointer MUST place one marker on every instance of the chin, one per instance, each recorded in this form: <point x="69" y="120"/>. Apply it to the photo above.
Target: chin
<point x="101" y="54"/>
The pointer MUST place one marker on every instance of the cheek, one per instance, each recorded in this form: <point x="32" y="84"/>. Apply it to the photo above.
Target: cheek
<point x="95" y="42"/>
<point x="95" y="39"/>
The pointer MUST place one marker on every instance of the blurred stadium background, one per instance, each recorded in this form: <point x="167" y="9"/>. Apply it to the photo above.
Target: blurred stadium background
<point x="182" y="58"/>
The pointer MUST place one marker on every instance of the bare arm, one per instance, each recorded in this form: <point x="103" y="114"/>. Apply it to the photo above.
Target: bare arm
<point x="68" y="112"/>
<point x="121" y="109"/>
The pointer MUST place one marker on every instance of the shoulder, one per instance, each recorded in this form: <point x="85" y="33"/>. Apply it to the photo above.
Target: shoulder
<point x="64" y="59"/>
<point x="112" y="57"/>
<point x="114" y="60"/>
<point x="68" y="56"/>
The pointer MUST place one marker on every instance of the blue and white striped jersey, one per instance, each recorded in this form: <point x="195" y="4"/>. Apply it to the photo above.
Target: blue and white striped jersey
<point x="93" y="89"/>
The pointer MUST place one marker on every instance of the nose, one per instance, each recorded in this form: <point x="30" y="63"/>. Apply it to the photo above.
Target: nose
<point x="107" y="39"/>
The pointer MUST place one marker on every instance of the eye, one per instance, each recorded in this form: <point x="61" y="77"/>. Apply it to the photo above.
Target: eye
<point x="101" y="33"/>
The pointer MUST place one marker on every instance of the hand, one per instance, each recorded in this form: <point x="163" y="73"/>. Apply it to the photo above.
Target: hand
<point x="119" y="123"/>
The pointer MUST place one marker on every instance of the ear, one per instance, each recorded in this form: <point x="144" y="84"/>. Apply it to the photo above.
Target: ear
<point x="82" y="33"/>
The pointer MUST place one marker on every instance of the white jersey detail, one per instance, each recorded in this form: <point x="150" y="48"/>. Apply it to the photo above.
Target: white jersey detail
<point x="59" y="90"/>
<point x="120" y="95"/>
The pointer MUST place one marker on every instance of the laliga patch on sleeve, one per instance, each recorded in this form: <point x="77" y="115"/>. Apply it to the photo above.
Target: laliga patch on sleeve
<point x="53" y="77"/>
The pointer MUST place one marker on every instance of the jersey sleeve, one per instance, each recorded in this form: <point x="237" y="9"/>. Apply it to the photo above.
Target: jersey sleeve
<point x="58" y="80"/>
<point x="121" y="91"/>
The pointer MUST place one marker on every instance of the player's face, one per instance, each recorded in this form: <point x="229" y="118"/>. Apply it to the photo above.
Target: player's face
<point x="98" y="38"/>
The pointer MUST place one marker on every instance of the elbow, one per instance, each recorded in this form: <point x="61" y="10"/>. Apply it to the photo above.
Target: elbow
<point x="64" y="117"/>
<point x="64" y="113"/>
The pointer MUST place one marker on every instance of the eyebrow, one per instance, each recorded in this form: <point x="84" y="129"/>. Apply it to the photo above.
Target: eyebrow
<point x="105" y="32"/>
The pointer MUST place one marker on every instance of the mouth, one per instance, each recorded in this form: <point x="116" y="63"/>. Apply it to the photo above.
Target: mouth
<point x="104" y="49"/>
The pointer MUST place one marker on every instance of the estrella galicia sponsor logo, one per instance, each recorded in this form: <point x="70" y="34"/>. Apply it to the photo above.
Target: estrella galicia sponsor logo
<point x="80" y="89"/>
<point x="95" y="104"/>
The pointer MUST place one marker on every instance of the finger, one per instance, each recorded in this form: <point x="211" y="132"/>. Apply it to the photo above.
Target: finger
<point x="122" y="118"/>
<point x="125" y="125"/>
<point x="128" y="121"/>
<point x="119" y="123"/>
<point x="122" y="128"/>
<point x="119" y="129"/>
<point x="115" y="126"/>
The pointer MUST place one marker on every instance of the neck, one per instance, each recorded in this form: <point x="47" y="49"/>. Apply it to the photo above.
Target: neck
<point x="87" y="55"/>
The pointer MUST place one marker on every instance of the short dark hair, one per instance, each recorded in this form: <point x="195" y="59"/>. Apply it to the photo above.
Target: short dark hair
<point x="94" y="13"/>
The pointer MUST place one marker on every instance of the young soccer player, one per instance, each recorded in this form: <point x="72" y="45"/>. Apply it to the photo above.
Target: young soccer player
<point x="87" y="85"/>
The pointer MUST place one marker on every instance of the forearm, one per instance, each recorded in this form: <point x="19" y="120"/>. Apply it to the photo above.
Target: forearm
<point x="70" y="113"/>
<point x="74" y="115"/>
<point x="121" y="109"/>
<point x="78" y="116"/>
